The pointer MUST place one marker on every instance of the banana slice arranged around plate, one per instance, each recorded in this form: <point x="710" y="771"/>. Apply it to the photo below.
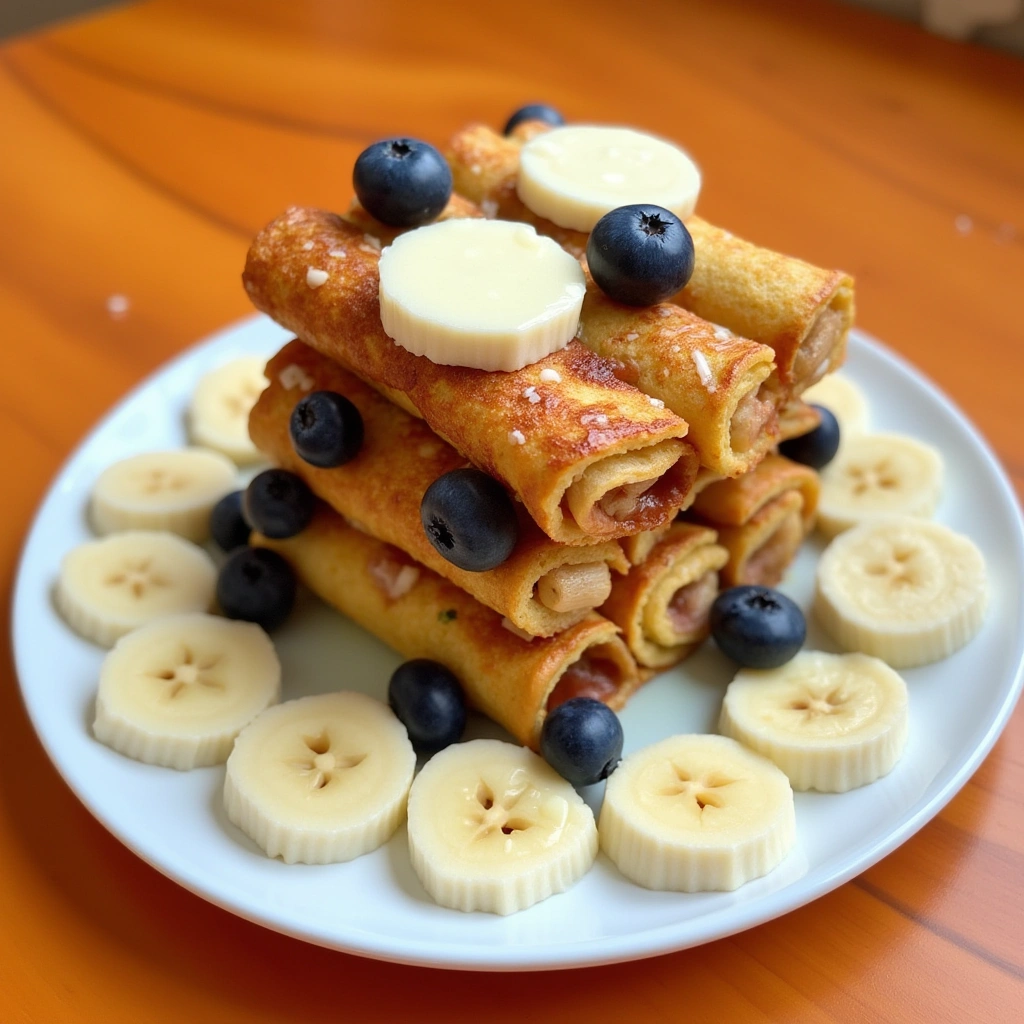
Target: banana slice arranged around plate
<point x="171" y="490"/>
<point x="831" y="722"/>
<point x="904" y="590"/>
<point x="111" y="586"/>
<point x="837" y="393"/>
<point x="218" y="416"/>
<point x="177" y="692"/>
<point x="877" y="475"/>
<point x="697" y="814"/>
<point x="493" y="827"/>
<point x="320" y="779"/>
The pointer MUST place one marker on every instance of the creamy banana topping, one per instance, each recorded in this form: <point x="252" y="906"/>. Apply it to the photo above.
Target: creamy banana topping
<point x="483" y="293"/>
<point x="575" y="175"/>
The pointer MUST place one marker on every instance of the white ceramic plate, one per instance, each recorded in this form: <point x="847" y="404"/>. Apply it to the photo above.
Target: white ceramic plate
<point x="375" y="906"/>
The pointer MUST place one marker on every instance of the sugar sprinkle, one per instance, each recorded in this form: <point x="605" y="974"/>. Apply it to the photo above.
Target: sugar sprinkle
<point x="703" y="370"/>
<point x="551" y="376"/>
<point x="516" y="437"/>
<point x="315" y="277"/>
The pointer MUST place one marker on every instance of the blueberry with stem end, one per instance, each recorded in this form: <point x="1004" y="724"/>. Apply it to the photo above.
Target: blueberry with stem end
<point x="640" y="254"/>
<point x="326" y="429"/>
<point x="758" y="627"/>
<point x="470" y="519"/>
<point x="582" y="740"/>
<point x="402" y="182"/>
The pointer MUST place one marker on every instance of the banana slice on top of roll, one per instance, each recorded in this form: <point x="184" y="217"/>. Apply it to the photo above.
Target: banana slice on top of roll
<point x="905" y="590"/>
<point x="493" y="827"/>
<point x="831" y="722"/>
<point x="320" y="779"/>
<point x="696" y="814"/>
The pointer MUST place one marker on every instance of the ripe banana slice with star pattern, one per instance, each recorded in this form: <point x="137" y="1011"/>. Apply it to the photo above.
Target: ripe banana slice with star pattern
<point x="177" y="692"/>
<point x="320" y="779"/>
<point x="831" y="722"/>
<point x="493" y="827"/>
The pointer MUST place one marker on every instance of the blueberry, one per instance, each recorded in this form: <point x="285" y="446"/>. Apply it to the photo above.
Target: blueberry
<point x="403" y="182"/>
<point x="429" y="702"/>
<point x="533" y="112"/>
<point x="757" y="626"/>
<point x="227" y="524"/>
<point x="278" y="504"/>
<point x="640" y="254"/>
<point x="818" y="447"/>
<point x="470" y="519"/>
<point x="258" y="586"/>
<point x="326" y="429"/>
<point x="582" y="740"/>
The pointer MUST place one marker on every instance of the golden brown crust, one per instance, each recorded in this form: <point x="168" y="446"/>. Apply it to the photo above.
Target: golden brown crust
<point x="536" y="449"/>
<point x="734" y="502"/>
<point x="381" y="488"/>
<point x="777" y="300"/>
<point x="682" y="556"/>
<point x="797" y="418"/>
<point x="775" y="529"/>
<point x="503" y="675"/>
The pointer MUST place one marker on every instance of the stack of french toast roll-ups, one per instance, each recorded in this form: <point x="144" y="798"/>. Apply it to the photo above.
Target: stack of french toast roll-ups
<point x="633" y="444"/>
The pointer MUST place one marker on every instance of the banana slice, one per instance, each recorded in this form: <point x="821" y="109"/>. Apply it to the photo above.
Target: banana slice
<point x="831" y="722"/>
<point x="904" y="590"/>
<point x="109" y="587"/>
<point x="218" y="416"/>
<point x="575" y="175"/>
<point x="696" y="814"/>
<point x="484" y="293"/>
<point x="172" y="490"/>
<point x="492" y="827"/>
<point x="177" y="692"/>
<point x="875" y="476"/>
<point x="320" y="779"/>
<point x="844" y="400"/>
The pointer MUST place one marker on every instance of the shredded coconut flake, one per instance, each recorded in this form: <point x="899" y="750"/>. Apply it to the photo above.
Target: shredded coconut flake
<point x="551" y="376"/>
<point x="515" y="630"/>
<point x="723" y="333"/>
<point x="316" y="277"/>
<point x="597" y="418"/>
<point x="117" y="306"/>
<point x="664" y="311"/>
<point x="964" y="224"/>
<point x="338" y="254"/>
<point x="516" y="437"/>
<point x="293" y="376"/>
<point x="394" y="579"/>
<point x="489" y="208"/>
<point x="656" y="402"/>
<point x="632" y="336"/>
<point x="703" y="370"/>
<point x="372" y="241"/>
<point x="307" y="246"/>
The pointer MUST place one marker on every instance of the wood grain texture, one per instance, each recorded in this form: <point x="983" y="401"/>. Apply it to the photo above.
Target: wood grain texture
<point x="142" y="149"/>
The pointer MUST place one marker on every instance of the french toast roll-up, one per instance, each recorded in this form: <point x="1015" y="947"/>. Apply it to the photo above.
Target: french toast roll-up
<point x="761" y="517"/>
<point x="590" y="457"/>
<point x="802" y="312"/>
<point x="514" y="679"/>
<point x="542" y="588"/>
<point x="662" y="604"/>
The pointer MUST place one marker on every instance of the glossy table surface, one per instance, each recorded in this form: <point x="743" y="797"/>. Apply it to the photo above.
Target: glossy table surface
<point x="142" y="148"/>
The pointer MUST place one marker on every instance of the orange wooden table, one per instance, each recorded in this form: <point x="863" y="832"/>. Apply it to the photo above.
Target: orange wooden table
<point x="142" y="149"/>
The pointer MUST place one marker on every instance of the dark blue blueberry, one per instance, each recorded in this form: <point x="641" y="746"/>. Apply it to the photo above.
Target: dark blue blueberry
<point x="258" y="586"/>
<point x="640" y="254"/>
<point x="403" y="182"/>
<point x="278" y="504"/>
<point x="429" y="702"/>
<point x="533" y="112"/>
<point x="326" y="429"/>
<point x="757" y="627"/>
<point x="582" y="740"/>
<point x="227" y="524"/>
<point x="470" y="519"/>
<point x="818" y="447"/>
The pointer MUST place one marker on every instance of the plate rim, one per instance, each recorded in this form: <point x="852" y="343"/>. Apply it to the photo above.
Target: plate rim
<point x="592" y="952"/>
